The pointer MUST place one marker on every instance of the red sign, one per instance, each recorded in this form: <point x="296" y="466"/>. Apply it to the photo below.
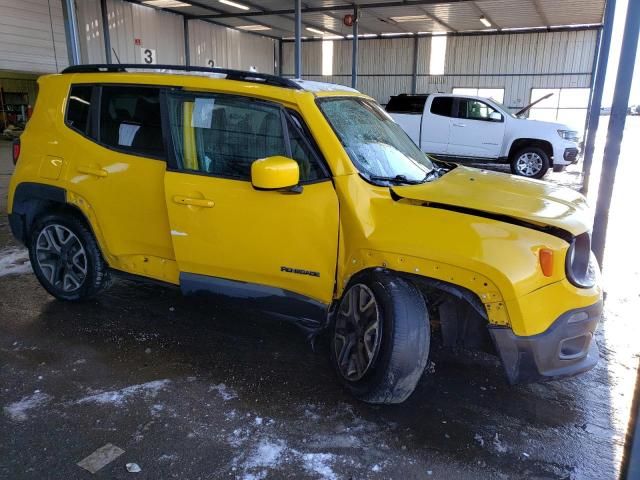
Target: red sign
<point x="137" y="41"/>
<point x="348" y="20"/>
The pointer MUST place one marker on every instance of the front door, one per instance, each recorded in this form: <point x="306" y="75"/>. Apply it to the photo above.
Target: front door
<point x="225" y="230"/>
<point x="477" y="130"/>
<point x="436" y="126"/>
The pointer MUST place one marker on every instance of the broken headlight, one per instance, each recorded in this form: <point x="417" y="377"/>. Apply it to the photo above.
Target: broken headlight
<point x="581" y="264"/>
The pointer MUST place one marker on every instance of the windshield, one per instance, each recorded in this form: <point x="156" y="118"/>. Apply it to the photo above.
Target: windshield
<point x="502" y="107"/>
<point x="377" y="146"/>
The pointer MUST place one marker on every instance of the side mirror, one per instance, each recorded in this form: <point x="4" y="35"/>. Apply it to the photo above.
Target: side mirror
<point x="495" y="116"/>
<point x="275" y="173"/>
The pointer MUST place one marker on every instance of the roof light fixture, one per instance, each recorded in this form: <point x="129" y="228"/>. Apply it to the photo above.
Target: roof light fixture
<point x="485" y="22"/>
<point x="253" y="28"/>
<point x="314" y="30"/>
<point x="166" y="3"/>
<point x="410" y="18"/>
<point x="234" y="4"/>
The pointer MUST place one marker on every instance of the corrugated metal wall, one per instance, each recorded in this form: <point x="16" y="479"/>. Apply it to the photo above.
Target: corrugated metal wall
<point x="32" y="36"/>
<point x="229" y="48"/>
<point x="164" y="33"/>
<point x="515" y="62"/>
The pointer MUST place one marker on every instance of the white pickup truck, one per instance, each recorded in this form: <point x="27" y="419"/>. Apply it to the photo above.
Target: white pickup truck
<point x="465" y="128"/>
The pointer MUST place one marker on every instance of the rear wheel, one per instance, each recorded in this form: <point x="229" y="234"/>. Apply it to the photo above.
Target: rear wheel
<point x="380" y="342"/>
<point x="531" y="162"/>
<point x="66" y="259"/>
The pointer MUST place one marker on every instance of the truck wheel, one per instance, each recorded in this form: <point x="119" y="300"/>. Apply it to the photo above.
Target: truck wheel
<point x="380" y="342"/>
<point x="66" y="259"/>
<point x="530" y="162"/>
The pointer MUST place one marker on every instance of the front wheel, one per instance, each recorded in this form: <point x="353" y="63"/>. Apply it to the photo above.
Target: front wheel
<point x="381" y="334"/>
<point x="66" y="259"/>
<point x="530" y="162"/>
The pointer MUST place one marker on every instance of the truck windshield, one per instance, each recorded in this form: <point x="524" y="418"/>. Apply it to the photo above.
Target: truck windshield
<point x="503" y="108"/>
<point x="377" y="146"/>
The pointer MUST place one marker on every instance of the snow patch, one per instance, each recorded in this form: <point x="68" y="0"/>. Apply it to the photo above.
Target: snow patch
<point x="17" y="411"/>
<point x="498" y="445"/>
<point x="320" y="464"/>
<point x="14" y="261"/>
<point x="227" y="393"/>
<point x="119" y="397"/>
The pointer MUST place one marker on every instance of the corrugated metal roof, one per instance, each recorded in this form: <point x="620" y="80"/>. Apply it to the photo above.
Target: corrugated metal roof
<point x="429" y="16"/>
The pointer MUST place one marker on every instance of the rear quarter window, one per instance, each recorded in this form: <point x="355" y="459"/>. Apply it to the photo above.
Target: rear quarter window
<point x="79" y="108"/>
<point x="442" y="106"/>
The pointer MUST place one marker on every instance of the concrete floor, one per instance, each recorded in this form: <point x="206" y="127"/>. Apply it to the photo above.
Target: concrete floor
<point x="191" y="390"/>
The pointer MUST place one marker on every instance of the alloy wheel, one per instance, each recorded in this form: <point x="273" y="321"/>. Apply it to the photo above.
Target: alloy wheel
<point x="357" y="333"/>
<point x="529" y="164"/>
<point x="61" y="257"/>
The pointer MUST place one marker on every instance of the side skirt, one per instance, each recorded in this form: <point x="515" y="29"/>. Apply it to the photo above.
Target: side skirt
<point x="307" y="313"/>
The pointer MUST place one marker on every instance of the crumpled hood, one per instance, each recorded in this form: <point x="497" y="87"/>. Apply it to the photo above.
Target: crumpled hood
<point x="532" y="201"/>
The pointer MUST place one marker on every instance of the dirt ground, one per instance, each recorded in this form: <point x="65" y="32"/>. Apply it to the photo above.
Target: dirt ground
<point x="191" y="390"/>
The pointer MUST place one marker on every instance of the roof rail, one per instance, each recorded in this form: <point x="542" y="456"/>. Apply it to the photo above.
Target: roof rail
<point x="230" y="74"/>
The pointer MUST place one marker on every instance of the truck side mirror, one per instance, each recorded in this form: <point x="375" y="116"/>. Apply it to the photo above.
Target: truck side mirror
<point x="495" y="116"/>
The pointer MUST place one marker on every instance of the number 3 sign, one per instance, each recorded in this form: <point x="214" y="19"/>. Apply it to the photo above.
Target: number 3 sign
<point x="148" y="55"/>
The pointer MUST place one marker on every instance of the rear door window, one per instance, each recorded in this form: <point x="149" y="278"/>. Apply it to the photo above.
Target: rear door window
<point x="408" y="104"/>
<point x="130" y="120"/>
<point x="442" y="106"/>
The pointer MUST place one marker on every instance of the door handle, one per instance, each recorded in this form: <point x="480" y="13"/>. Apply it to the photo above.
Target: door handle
<point x="96" y="172"/>
<point x="459" y="125"/>
<point x="196" y="202"/>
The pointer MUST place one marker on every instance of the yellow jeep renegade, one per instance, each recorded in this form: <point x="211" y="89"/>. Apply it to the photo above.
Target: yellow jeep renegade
<point x="307" y="201"/>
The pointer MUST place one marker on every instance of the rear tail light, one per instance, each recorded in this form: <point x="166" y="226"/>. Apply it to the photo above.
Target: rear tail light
<point x="16" y="150"/>
<point x="546" y="261"/>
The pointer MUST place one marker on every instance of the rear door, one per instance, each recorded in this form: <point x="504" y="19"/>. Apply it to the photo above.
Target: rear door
<point x="477" y="130"/>
<point x="117" y="167"/>
<point x="436" y="126"/>
<point x="407" y="111"/>
<point x="223" y="229"/>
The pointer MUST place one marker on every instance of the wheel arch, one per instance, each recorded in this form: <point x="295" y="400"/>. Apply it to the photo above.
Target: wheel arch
<point x="32" y="200"/>
<point x="458" y="312"/>
<point x="520" y="143"/>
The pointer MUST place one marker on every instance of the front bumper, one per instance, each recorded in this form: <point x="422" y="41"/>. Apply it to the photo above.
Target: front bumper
<point x="566" y="348"/>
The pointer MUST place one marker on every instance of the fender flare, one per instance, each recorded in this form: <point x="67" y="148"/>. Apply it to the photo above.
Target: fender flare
<point x="28" y="201"/>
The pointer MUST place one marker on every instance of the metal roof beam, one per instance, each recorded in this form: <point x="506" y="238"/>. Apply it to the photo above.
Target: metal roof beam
<point x="540" y="12"/>
<point x="361" y="6"/>
<point x="437" y="20"/>
<point x="211" y="21"/>
<point x="341" y="19"/>
<point x="289" y="17"/>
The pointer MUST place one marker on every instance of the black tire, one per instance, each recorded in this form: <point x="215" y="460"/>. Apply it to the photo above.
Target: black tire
<point x="94" y="280"/>
<point x="403" y="348"/>
<point x="534" y="152"/>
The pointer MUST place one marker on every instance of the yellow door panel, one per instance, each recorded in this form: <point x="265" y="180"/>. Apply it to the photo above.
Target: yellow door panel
<point x="127" y="195"/>
<point x="225" y="228"/>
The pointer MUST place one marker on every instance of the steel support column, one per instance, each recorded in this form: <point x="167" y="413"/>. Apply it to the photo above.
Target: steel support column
<point x="354" y="49"/>
<point x="187" y="49"/>
<point x="280" y="57"/>
<point x="615" y="131"/>
<point x="71" y="31"/>
<point x="298" y="34"/>
<point x="414" y="73"/>
<point x="593" y="119"/>
<point x="105" y="30"/>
